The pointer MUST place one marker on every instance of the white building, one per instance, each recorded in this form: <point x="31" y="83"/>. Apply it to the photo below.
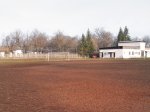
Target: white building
<point x="126" y="49"/>
<point x="2" y="54"/>
<point x="18" y="53"/>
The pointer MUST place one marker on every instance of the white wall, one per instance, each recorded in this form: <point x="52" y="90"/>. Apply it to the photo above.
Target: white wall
<point x="142" y="46"/>
<point x="122" y="53"/>
<point x="2" y="54"/>
<point x="148" y="53"/>
<point x="118" y="53"/>
<point x="131" y="53"/>
<point x="18" y="53"/>
<point x="139" y="45"/>
<point x="130" y="50"/>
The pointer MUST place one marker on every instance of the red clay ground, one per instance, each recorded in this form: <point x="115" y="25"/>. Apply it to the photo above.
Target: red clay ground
<point x="76" y="86"/>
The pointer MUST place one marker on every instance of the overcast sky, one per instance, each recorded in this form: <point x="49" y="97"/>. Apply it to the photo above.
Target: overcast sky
<point x="74" y="17"/>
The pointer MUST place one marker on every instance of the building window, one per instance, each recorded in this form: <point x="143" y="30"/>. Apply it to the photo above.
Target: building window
<point x="139" y="53"/>
<point x="132" y="52"/>
<point x="129" y="53"/>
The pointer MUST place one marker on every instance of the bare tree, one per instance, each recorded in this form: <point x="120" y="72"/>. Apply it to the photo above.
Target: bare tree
<point x="38" y="41"/>
<point x="58" y="41"/>
<point x="146" y="39"/>
<point x="71" y="44"/>
<point x="17" y="39"/>
<point x="13" y="41"/>
<point x="26" y="43"/>
<point x="95" y="42"/>
<point x="105" y="39"/>
<point x="61" y="42"/>
<point x="7" y="43"/>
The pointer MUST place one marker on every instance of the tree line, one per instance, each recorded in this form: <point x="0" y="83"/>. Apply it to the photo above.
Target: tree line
<point x="85" y="45"/>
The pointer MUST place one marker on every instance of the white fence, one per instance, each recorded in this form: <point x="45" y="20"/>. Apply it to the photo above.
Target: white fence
<point x="51" y="56"/>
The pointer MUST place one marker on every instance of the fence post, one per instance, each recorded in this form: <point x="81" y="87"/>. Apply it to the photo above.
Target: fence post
<point x="48" y="56"/>
<point x="68" y="56"/>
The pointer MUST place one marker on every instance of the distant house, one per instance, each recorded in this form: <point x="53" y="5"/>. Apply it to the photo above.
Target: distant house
<point x="18" y="53"/>
<point x="126" y="49"/>
<point x="3" y="51"/>
<point x="2" y="54"/>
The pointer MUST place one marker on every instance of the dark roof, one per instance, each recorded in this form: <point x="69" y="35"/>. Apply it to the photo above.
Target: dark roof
<point x="118" y="47"/>
<point x="129" y="41"/>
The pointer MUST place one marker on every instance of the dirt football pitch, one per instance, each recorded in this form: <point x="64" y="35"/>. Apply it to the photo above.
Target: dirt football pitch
<point x="76" y="86"/>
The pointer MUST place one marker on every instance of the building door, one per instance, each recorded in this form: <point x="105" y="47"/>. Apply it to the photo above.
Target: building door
<point x="142" y="54"/>
<point x="101" y="54"/>
<point x="112" y="54"/>
<point x="146" y="54"/>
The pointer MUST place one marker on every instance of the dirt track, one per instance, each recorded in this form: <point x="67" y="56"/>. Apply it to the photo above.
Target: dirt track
<point x="77" y="86"/>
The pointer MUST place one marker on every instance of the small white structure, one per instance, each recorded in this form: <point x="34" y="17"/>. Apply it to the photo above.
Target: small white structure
<point x="126" y="49"/>
<point x="147" y="52"/>
<point x="2" y="54"/>
<point x="18" y="53"/>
